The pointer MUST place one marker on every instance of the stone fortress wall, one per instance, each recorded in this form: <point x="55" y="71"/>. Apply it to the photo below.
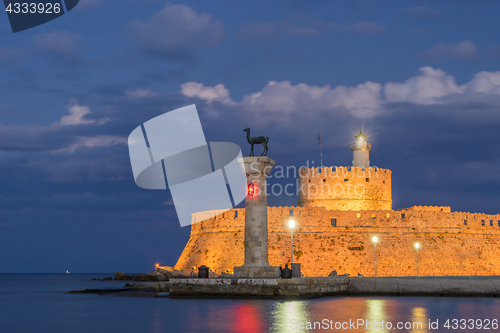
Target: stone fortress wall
<point x="451" y="243"/>
<point x="345" y="188"/>
<point x="340" y="210"/>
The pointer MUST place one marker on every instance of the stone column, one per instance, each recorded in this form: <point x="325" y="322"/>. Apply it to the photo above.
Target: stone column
<point x="256" y="265"/>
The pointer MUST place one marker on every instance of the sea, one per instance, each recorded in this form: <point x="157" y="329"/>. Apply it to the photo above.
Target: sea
<point x="39" y="303"/>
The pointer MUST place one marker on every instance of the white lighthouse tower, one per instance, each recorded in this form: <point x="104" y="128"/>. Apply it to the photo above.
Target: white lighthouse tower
<point x="361" y="151"/>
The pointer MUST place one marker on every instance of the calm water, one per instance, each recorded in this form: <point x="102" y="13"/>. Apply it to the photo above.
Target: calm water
<point x="40" y="303"/>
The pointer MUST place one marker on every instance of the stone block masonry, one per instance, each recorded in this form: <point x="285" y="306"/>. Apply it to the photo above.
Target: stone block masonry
<point x="345" y="188"/>
<point x="452" y="243"/>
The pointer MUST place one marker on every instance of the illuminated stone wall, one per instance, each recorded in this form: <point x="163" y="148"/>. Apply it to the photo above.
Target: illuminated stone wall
<point x="452" y="243"/>
<point x="345" y="188"/>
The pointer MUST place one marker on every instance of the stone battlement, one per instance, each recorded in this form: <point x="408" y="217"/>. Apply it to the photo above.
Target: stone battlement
<point x="432" y="208"/>
<point x="345" y="188"/>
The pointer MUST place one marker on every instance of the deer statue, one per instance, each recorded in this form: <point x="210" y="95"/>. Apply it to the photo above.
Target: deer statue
<point x="257" y="140"/>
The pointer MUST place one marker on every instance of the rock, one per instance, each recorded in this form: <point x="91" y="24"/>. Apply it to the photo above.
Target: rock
<point x="108" y="278"/>
<point x="344" y="275"/>
<point x="152" y="277"/>
<point x="360" y="275"/>
<point x="161" y="277"/>
<point x="175" y="274"/>
<point x="212" y="274"/>
<point x="163" y="269"/>
<point x="333" y="273"/>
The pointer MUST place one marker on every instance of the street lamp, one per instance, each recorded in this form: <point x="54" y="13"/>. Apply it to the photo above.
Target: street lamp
<point x="417" y="246"/>
<point x="375" y="240"/>
<point x="291" y="225"/>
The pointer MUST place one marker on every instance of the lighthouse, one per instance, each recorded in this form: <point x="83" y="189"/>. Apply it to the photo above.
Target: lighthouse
<point x="361" y="151"/>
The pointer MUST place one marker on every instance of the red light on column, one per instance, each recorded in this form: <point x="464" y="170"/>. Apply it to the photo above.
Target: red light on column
<point x="251" y="189"/>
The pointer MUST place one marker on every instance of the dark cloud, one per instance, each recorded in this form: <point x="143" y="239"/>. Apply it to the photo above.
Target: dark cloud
<point x="60" y="46"/>
<point x="176" y="32"/>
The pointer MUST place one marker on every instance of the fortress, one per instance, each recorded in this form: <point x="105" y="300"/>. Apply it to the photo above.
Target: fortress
<point x="340" y="209"/>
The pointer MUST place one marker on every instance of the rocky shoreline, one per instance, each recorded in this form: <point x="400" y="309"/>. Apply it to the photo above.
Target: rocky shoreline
<point x="159" y="275"/>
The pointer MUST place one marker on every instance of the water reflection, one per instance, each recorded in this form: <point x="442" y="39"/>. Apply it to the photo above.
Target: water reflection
<point x="247" y="318"/>
<point x="419" y="315"/>
<point x="376" y="317"/>
<point x="350" y="314"/>
<point x="156" y="321"/>
<point x="290" y="316"/>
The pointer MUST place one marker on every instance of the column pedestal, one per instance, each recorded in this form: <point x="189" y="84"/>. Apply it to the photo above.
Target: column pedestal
<point x="256" y="265"/>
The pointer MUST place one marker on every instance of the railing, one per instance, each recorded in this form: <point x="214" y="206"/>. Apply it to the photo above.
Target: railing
<point x="361" y="145"/>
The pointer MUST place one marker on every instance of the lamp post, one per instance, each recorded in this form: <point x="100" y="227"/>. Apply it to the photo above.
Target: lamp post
<point x="291" y="224"/>
<point x="417" y="246"/>
<point x="375" y="240"/>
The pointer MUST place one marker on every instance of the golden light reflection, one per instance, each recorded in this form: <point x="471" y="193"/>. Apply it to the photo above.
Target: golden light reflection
<point x="376" y="316"/>
<point x="288" y="316"/>
<point x="419" y="315"/>
<point x="247" y="318"/>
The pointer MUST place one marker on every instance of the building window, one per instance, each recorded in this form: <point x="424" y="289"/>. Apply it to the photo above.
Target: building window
<point x="403" y="216"/>
<point x="388" y="215"/>
<point x="358" y="215"/>
<point x="491" y="223"/>
<point x="235" y="214"/>
<point x="465" y="222"/>
<point x="383" y="181"/>
<point x="482" y="223"/>
<point x="333" y="221"/>
<point x="499" y="223"/>
<point x="367" y="180"/>
<point x="290" y="213"/>
<point x="373" y="215"/>
<point x="346" y="180"/>
<point x="324" y="180"/>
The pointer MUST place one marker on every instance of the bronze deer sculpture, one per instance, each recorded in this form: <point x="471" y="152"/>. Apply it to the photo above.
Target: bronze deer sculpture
<point x="257" y="140"/>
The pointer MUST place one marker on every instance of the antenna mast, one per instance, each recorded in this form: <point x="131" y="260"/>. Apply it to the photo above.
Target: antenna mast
<point x="321" y="150"/>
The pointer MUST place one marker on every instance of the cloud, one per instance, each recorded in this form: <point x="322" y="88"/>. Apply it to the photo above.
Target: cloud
<point x="139" y="93"/>
<point x="281" y="100"/>
<point x="209" y="94"/>
<point x="58" y="44"/>
<point x="9" y="56"/>
<point x="77" y="115"/>
<point x="176" y="31"/>
<point x="360" y="27"/>
<point x="269" y="30"/>
<point x="485" y="82"/>
<point x="421" y="12"/>
<point x="462" y="51"/>
<point x="91" y="142"/>
<point x="88" y="4"/>
<point x="305" y="28"/>
<point x="422" y="89"/>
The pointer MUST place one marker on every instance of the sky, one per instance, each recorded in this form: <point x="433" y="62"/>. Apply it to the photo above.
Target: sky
<point x="420" y="77"/>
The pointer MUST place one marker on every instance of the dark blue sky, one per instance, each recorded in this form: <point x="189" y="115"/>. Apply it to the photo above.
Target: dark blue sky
<point x="421" y="77"/>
